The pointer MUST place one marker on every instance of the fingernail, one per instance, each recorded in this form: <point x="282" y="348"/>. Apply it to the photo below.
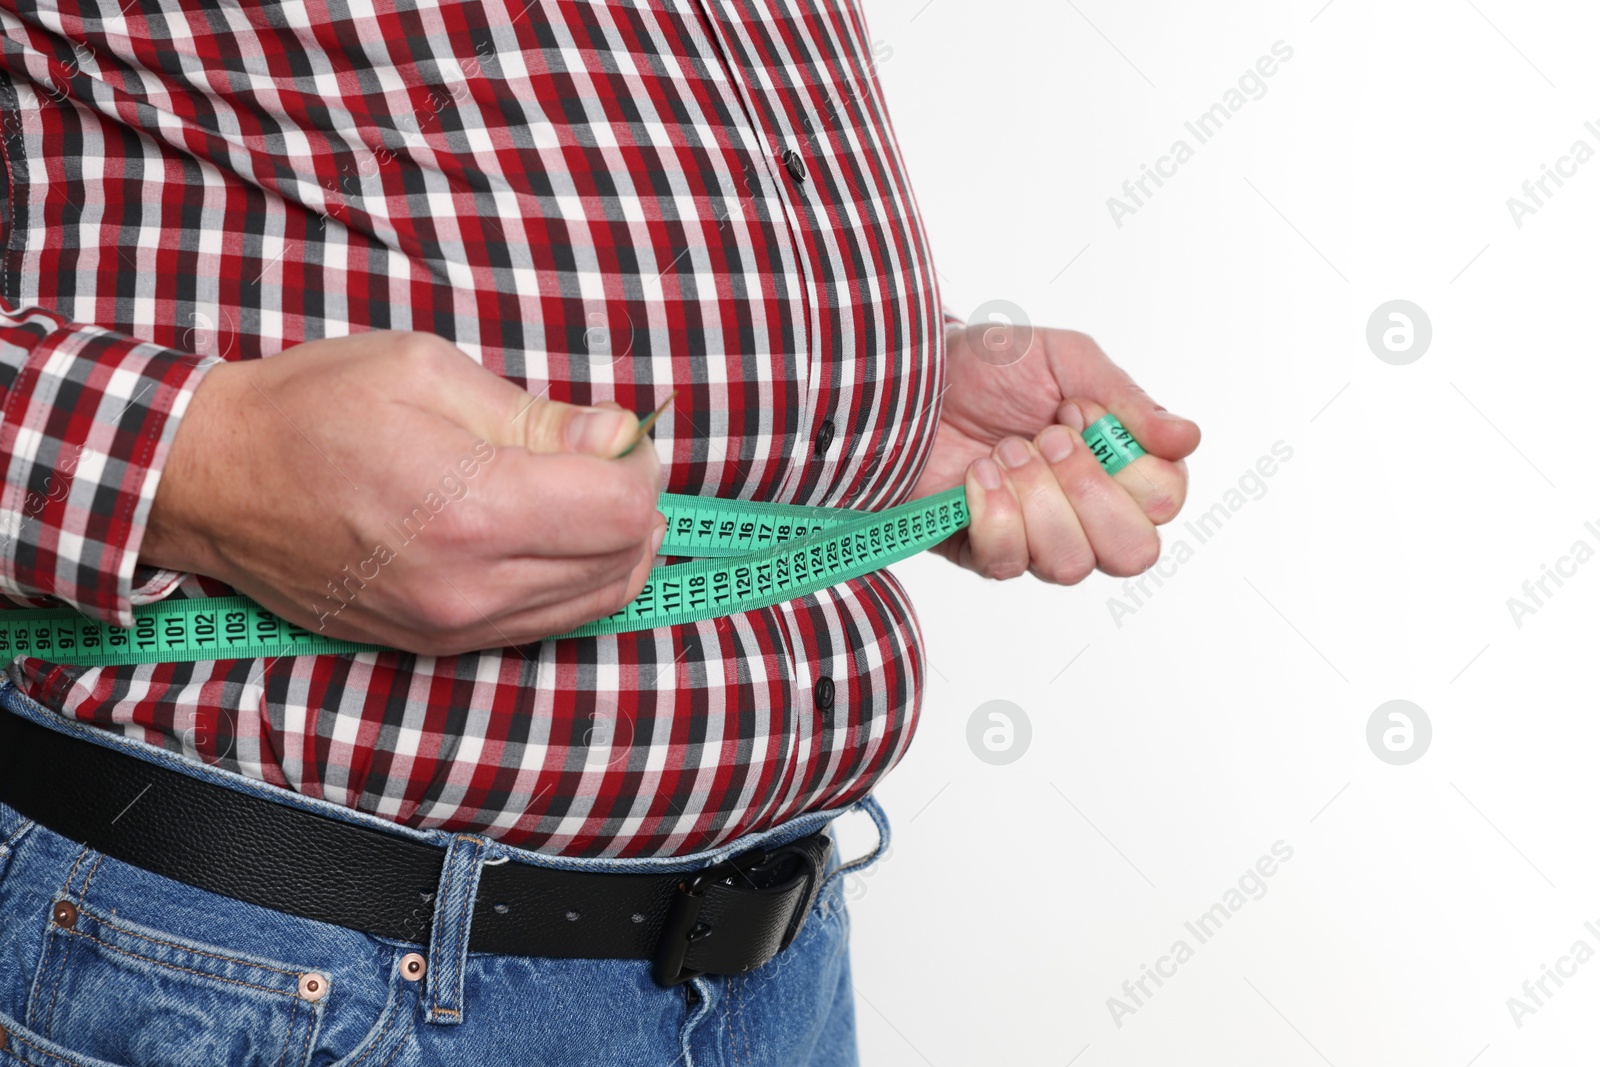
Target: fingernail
<point x="1013" y="453"/>
<point x="1056" y="443"/>
<point x="596" y="431"/>
<point x="1072" y="415"/>
<point x="987" y="471"/>
<point x="1169" y="416"/>
<point x="656" y="539"/>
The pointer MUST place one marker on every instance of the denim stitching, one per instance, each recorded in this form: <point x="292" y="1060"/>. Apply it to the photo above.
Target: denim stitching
<point x="378" y="1041"/>
<point x="444" y="895"/>
<point x="311" y="1031"/>
<point x="197" y="952"/>
<point x="175" y="967"/>
<point x="55" y="992"/>
<point x="66" y="890"/>
<point x="46" y="1052"/>
<point x="49" y="1020"/>
<point x="478" y="845"/>
<point x="397" y="1048"/>
<point x="294" y="1010"/>
<point x="84" y="893"/>
<point x="466" y="912"/>
<point x="439" y="903"/>
<point x="8" y="842"/>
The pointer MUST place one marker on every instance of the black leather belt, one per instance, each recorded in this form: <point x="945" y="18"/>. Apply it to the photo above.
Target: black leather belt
<point x="721" y="920"/>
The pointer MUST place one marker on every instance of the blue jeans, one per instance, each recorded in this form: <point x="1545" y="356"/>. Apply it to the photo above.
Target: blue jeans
<point x="154" y="973"/>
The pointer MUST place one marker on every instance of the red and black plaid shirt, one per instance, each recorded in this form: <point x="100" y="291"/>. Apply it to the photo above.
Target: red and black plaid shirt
<point x="605" y="200"/>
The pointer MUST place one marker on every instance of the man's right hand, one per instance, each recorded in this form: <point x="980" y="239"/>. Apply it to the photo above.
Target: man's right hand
<point x="331" y="484"/>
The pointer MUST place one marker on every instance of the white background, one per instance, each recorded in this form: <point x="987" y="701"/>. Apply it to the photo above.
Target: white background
<point x="1229" y="711"/>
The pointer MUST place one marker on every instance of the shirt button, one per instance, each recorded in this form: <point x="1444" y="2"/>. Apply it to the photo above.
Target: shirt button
<point x="824" y="438"/>
<point x="794" y="164"/>
<point x="824" y="693"/>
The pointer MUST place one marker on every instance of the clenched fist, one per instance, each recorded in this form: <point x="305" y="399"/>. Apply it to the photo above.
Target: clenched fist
<point x="386" y="488"/>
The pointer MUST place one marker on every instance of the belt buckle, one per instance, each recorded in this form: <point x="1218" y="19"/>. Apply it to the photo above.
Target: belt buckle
<point x="682" y="927"/>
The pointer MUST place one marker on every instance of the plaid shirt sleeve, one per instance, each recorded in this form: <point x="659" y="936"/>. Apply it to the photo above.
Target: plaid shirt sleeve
<point x="89" y="416"/>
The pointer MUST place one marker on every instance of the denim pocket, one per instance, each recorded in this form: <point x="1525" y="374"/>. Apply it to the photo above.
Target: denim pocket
<point x="111" y="990"/>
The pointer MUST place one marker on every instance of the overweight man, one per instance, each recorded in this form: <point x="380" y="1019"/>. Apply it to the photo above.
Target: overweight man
<point x="352" y="309"/>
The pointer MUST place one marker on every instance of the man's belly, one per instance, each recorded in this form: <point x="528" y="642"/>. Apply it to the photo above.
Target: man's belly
<point x="600" y="203"/>
<point x="653" y="743"/>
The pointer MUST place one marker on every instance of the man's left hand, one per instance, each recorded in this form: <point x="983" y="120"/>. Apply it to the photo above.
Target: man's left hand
<point x="1039" y="500"/>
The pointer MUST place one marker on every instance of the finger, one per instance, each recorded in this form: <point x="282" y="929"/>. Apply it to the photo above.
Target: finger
<point x="997" y="543"/>
<point x="1159" y="486"/>
<point x="536" y="623"/>
<point x="1058" y="549"/>
<point x="567" y="505"/>
<point x="497" y="410"/>
<point x="551" y="426"/>
<point x="515" y="586"/>
<point x="1083" y="369"/>
<point x="1125" y="542"/>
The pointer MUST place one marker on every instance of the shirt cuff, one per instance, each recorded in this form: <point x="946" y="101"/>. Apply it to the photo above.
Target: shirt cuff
<point x="84" y="435"/>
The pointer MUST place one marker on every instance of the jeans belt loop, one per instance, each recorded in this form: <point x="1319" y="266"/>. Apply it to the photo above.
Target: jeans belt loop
<point x="444" y="987"/>
<point x="875" y="812"/>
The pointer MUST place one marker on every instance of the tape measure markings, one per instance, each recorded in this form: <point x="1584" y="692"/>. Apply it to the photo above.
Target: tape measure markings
<point x="749" y="555"/>
<point x="1110" y="442"/>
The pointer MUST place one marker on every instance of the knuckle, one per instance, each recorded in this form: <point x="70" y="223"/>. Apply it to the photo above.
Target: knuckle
<point x="419" y="346"/>
<point x="1003" y="570"/>
<point x="1085" y="482"/>
<point x="1138" y="555"/>
<point x="635" y="522"/>
<point x="1162" y="506"/>
<point x="1082" y="342"/>
<point x="426" y="355"/>
<point x="442" y="612"/>
<point x="463" y="523"/>
<point x="1067" y="570"/>
<point x="1078" y="572"/>
<point x="633" y="505"/>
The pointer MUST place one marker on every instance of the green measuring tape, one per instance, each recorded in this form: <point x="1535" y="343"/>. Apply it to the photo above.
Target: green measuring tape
<point x="747" y="555"/>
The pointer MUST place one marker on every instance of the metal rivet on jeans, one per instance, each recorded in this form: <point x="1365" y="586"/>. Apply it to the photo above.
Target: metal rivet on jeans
<point x="64" y="914"/>
<point x="313" y="987"/>
<point x="413" y="966"/>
